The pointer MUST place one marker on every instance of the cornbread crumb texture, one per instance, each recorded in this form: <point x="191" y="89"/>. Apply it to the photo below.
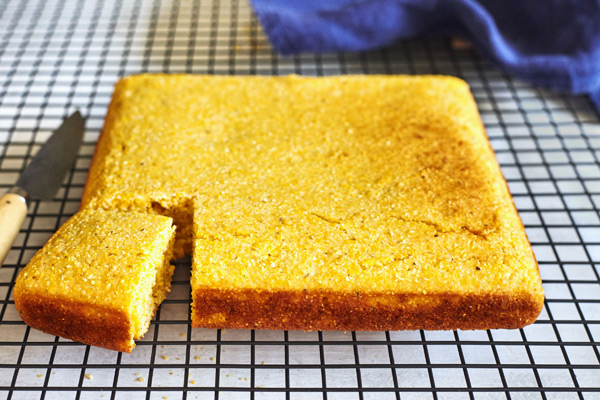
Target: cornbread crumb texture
<point x="99" y="278"/>
<point x="380" y="187"/>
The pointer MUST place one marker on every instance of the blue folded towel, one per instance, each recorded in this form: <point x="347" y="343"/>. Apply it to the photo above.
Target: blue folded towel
<point x="552" y="43"/>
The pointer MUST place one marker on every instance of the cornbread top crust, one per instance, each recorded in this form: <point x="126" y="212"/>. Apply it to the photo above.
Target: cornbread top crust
<point x="385" y="184"/>
<point x="88" y="262"/>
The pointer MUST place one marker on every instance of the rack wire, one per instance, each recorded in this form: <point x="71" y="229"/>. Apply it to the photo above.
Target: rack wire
<point x="58" y="56"/>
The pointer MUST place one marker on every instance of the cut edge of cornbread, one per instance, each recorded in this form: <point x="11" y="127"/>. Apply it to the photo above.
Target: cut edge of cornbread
<point x="181" y="210"/>
<point x="63" y="311"/>
<point x="154" y="295"/>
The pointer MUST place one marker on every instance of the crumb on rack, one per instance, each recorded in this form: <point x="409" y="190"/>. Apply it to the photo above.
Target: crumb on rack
<point x="460" y="44"/>
<point x="89" y="376"/>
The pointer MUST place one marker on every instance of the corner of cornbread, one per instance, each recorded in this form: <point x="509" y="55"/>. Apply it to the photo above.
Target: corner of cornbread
<point x="99" y="279"/>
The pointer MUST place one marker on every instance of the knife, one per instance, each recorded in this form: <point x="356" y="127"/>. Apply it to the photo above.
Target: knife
<point x="41" y="179"/>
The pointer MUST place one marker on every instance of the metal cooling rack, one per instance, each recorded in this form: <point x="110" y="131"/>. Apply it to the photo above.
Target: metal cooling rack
<point x="56" y="56"/>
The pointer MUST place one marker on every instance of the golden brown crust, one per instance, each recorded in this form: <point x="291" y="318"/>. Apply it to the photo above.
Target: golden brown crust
<point x="513" y="206"/>
<point x="82" y="322"/>
<point x="334" y="311"/>
<point x="96" y="157"/>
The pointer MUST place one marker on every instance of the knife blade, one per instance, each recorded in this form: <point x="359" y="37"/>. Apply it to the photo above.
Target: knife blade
<point x="41" y="179"/>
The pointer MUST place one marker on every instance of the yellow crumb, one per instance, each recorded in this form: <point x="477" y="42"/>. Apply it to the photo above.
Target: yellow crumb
<point x="140" y="379"/>
<point x="164" y="357"/>
<point x="198" y="358"/>
<point x="89" y="376"/>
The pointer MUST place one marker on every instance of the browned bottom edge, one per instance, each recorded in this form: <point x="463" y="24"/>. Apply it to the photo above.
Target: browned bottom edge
<point x="81" y="322"/>
<point x="251" y="309"/>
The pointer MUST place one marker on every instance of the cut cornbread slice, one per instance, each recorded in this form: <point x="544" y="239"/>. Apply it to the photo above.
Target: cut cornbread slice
<point x="99" y="279"/>
<point x="353" y="202"/>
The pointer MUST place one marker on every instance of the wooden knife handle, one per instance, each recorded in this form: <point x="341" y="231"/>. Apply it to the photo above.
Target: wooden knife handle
<point x="13" y="210"/>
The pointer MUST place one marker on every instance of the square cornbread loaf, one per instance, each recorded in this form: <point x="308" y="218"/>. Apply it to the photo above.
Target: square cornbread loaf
<point x="99" y="279"/>
<point x="350" y="202"/>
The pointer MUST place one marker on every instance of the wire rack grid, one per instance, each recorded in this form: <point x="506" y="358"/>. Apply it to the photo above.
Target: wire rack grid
<point x="58" y="56"/>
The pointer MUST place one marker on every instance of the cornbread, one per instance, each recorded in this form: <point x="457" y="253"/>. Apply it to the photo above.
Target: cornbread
<point x="350" y="203"/>
<point x="99" y="279"/>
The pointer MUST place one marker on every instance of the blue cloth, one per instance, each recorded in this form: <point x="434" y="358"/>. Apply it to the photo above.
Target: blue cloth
<point x="552" y="43"/>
